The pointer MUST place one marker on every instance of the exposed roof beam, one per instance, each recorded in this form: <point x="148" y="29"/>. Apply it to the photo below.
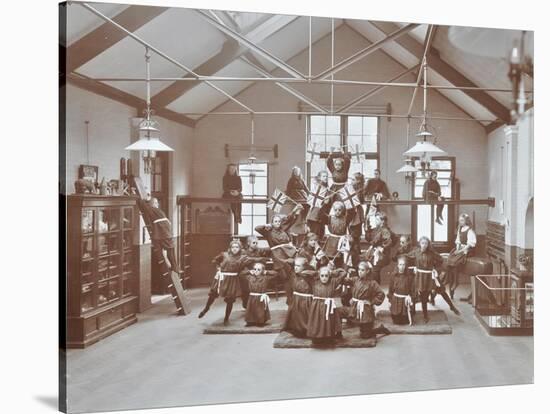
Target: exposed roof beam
<point x="106" y="35"/>
<point x="231" y="50"/>
<point x="251" y="45"/>
<point x="125" y="98"/>
<point x="154" y="49"/>
<point x="447" y="71"/>
<point x="250" y="60"/>
<point x="374" y="91"/>
<point x="365" y="52"/>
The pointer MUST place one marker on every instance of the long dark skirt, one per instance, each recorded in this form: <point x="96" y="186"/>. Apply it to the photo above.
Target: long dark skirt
<point x="256" y="311"/>
<point x="318" y="326"/>
<point x="298" y="314"/>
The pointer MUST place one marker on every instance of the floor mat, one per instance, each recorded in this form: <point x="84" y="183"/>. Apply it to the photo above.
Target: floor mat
<point x="237" y="324"/>
<point x="350" y="339"/>
<point x="438" y="324"/>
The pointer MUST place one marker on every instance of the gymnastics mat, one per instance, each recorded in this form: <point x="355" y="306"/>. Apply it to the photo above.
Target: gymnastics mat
<point x="237" y="324"/>
<point x="438" y="324"/>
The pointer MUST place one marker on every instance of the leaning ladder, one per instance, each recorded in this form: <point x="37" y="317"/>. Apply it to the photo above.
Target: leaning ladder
<point x="174" y="282"/>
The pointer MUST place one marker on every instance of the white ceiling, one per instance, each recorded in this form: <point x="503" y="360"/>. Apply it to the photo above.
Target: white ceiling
<point x="185" y="36"/>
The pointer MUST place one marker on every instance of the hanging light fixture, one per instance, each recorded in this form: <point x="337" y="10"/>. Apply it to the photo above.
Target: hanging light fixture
<point x="252" y="156"/>
<point x="424" y="149"/>
<point x="149" y="133"/>
<point x="408" y="168"/>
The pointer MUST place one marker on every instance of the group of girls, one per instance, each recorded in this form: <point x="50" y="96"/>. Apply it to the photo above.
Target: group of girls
<point x="326" y="268"/>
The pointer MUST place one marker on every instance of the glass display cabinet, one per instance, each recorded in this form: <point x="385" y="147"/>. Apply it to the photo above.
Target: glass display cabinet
<point x="102" y="268"/>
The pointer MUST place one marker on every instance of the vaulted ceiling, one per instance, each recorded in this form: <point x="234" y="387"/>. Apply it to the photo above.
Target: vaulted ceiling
<point x="97" y="51"/>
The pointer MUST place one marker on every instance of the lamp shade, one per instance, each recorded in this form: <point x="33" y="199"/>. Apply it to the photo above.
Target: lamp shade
<point x="148" y="144"/>
<point x="424" y="148"/>
<point x="407" y="168"/>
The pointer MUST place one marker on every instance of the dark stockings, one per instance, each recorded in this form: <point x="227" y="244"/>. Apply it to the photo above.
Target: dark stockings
<point x="171" y="253"/>
<point x="424" y="296"/>
<point x="209" y="302"/>
<point x="228" y="309"/>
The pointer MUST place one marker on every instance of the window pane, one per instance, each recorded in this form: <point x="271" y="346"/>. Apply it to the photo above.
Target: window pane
<point x="418" y="186"/>
<point x="317" y="125"/>
<point x="370" y="143"/>
<point x="368" y="168"/>
<point x="246" y="209"/>
<point x="355" y="125"/>
<point x="333" y="125"/>
<point x="441" y="164"/>
<point x="333" y="141"/>
<point x="370" y="125"/>
<point x="246" y="226"/>
<point x="355" y="167"/>
<point x="260" y="186"/>
<point x="318" y="141"/>
<point x="353" y="141"/>
<point x="424" y="222"/>
<point x="259" y="209"/>
<point x="247" y="187"/>
<point x="440" y="230"/>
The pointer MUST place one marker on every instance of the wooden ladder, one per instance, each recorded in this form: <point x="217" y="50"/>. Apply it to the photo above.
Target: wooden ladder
<point x="174" y="283"/>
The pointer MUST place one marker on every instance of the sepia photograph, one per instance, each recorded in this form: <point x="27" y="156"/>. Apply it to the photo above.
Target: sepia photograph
<point x="263" y="207"/>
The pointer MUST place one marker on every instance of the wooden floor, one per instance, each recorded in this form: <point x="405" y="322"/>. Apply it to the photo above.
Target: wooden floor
<point x="164" y="360"/>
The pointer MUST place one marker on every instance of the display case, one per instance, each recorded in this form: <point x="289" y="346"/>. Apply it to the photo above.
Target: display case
<point x="102" y="266"/>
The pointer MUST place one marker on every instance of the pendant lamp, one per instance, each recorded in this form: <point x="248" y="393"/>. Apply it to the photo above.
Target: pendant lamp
<point x="149" y="133"/>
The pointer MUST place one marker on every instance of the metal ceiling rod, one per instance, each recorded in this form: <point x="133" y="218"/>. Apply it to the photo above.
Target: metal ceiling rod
<point x="266" y="113"/>
<point x="373" y="92"/>
<point x="294" y="80"/>
<point x="287" y="88"/>
<point x="366" y="51"/>
<point x="309" y="49"/>
<point x="241" y="39"/>
<point x="160" y="53"/>
<point x="427" y="46"/>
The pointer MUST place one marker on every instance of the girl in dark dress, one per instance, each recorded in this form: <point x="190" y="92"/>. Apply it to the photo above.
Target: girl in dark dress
<point x="232" y="188"/>
<point x="297" y="190"/>
<point x="432" y="192"/>
<point x="258" y="254"/>
<point x="465" y="244"/>
<point x="298" y="310"/>
<point x="257" y="308"/>
<point x="279" y="240"/>
<point x="337" y="239"/>
<point x="312" y="252"/>
<point x="339" y="169"/>
<point x="379" y="251"/>
<point x="324" y="321"/>
<point x="226" y="281"/>
<point x="365" y="295"/>
<point x="401" y="292"/>
<point x="316" y="216"/>
<point x="356" y="217"/>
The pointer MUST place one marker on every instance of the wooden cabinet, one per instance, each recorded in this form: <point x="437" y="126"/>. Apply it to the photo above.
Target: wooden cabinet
<point x="102" y="267"/>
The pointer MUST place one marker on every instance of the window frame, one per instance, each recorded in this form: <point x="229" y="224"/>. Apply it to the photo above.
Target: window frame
<point x="343" y="140"/>
<point x="254" y="196"/>
<point x="451" y="213"/>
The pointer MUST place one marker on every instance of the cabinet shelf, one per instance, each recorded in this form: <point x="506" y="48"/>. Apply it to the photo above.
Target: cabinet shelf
<point x="98" y="307"/>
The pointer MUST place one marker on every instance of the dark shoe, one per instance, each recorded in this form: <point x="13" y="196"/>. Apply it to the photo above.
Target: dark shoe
<point x="426" y="319"/>
<point x="338" y="335"/>
<point x="203" y="312"/>
<point x="383" y="330"/>
<point x="225" y="322"/>
<point x="466" y="299"/>
<point x="248" y="324"/>
<point x="455" y="310"/>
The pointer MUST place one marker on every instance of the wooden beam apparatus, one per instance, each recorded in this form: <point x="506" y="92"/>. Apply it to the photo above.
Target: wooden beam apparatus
<point x="230" y="51"/>
<point x="444" y="69"/>
<point x="106" y="35"/>
<point x="126" y="98"/>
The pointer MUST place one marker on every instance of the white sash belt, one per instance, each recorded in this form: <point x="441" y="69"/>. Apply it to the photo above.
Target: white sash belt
<point x="360" y="306"/>
<point x="304" y="295"/>
<point x="330" y="305"/>
<point x="160" y="219"/>
<point x="220" y="276"/>
<point x="408" y="305"/>
<point x="264" y="297"/>
<point x="282" y="245"/>
<point x="432" y="272"/>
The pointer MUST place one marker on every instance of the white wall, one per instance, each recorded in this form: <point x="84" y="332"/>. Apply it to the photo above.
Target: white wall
<point x="511" y="178"/>
<point x="465" y="140"/>
<point x="110" y="131"/>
